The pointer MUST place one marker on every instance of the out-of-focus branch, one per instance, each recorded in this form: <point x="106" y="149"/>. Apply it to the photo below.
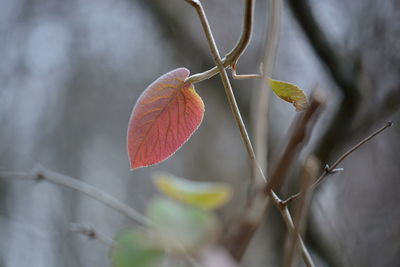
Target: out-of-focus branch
<point x="232" y="57"/>
<point x="236" y="113"/>
<point x="42" y="174"/>
<point x="260" y="98"/>
<point x="333" y="169"/>
<point x="343" y="71"/>
<point x="298" y="137"/>
<point x="242" y="232"/>
<point x="311" y="168"/>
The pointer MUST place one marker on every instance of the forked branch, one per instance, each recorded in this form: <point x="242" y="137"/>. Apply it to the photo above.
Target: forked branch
<point x="332" y="169"/>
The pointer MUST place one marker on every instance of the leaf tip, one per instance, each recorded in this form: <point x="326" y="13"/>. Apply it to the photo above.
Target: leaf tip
<point x="290" y="93"/>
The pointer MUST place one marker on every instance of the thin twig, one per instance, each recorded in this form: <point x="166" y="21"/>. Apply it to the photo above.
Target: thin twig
<point x="237" y="51"/>
<point x="343" y="70"/>
<point x="290" y="225"/>
<point x="310" y="170"/>
<point x="333" y="169"/>
<point x="42" y="174"/>
<point x="91" y="233"/>
<point x="357" y="146"/>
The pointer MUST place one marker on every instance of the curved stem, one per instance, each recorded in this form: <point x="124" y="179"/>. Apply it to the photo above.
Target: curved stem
<point x="237" y="51"/>
<point x="225" y="80"/>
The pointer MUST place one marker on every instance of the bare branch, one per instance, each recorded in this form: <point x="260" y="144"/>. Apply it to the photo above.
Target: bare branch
<point x="260" y="98"/>
<point x="310" y="171"/>
<point x="333" y="169"/>
<point x="238" y="240"/>
<point x="299" y="135"/>
<point x="42" y="174"/>
<point x="343" y="70"/>
<point x="289" y="223"/>
<point x="357" y="146"/>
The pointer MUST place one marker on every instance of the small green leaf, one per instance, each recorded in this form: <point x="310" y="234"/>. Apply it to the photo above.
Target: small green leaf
<point x="206" y="195"/>
<point x="135" y="249"/>
<point x="180" y="227"/>
<point x="290" y="93"/>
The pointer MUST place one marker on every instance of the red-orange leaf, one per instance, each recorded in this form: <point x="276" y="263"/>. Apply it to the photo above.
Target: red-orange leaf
<point x="163" y="119"/>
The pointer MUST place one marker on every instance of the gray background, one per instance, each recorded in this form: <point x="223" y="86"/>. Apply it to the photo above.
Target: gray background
<point x="71" y="71"/>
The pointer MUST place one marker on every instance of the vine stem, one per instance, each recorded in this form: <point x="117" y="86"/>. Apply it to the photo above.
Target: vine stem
<point x="233" y="55"/>
<point x="238" y="118"/>
<point x="225" y="81"/>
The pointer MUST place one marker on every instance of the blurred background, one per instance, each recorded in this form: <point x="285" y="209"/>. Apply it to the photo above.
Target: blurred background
<point x="71" y="71"/>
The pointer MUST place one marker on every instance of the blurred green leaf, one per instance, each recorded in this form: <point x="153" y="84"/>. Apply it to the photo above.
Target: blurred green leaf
<point x="180" y="227"/>
<point x="290" y="93"/>
<point x="206" y="195"/>
<point x="134" y="249"/>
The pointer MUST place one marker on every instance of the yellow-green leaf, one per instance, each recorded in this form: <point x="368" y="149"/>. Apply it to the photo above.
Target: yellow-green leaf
<point x="206" y="195"/>
<point x="290" y="93"/>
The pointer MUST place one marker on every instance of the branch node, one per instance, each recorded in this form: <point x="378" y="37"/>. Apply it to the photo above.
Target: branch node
<point x="87" y="231"/>
<point x="327" y="168"/>
<point x="39" y="177"/>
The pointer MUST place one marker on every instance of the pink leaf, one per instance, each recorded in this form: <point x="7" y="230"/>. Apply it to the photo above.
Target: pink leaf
<point x="163" y="119"/>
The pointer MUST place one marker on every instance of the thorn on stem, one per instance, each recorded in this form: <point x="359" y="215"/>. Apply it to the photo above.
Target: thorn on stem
<point x="327" y="169"/>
